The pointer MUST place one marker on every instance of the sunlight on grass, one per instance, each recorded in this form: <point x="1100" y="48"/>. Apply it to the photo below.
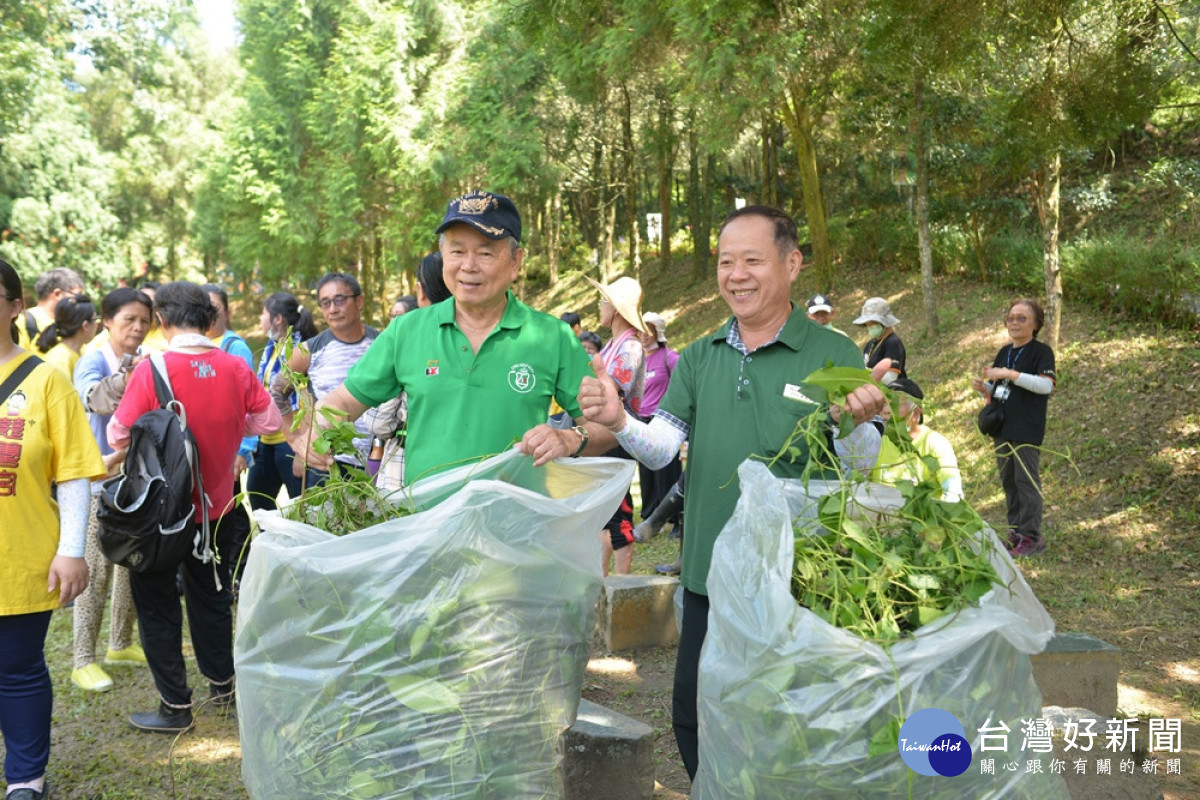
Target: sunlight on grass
<point x="207" y="749"/>
<point x="1185" y="671"/>
<point x="613" y="667"/>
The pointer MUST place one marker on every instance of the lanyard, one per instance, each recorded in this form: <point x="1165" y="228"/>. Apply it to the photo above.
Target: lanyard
<point x="1015" y="355"/>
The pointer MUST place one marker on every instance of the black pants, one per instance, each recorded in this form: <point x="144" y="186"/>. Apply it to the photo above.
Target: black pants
<point x="1019" y="464"/>
<point x="684" y="716"/>
<point x="237" y="522"/>
<point x="657" y="483"/>
<point x="210" y="620"/>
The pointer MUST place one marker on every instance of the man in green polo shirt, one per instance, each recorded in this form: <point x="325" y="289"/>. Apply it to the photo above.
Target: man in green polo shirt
<point x="733" y="394"/>
<point x="480" y="368"/>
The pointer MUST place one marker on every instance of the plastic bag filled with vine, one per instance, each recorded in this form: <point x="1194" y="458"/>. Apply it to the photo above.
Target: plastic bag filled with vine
<point x="791" y="705"/>
<point x="438" y="655"/>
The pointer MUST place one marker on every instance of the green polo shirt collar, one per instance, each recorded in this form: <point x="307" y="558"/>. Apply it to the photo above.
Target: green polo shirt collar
<point x="793" y="334"/>
<point x="514" y="313"/>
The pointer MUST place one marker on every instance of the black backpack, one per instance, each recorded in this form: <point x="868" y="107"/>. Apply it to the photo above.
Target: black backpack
<point x="146" y="515"/>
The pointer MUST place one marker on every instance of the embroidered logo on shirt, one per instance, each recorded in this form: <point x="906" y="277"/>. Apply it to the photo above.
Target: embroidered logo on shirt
<point x="793" y="392"/>
<point x="522" y="378"/>
<point x="431" y="367"/>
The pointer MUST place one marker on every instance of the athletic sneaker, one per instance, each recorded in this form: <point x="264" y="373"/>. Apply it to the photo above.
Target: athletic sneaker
<point x="91" y="678"/>
<point x="1029" y="546"/>
<point x="132" y="656"/>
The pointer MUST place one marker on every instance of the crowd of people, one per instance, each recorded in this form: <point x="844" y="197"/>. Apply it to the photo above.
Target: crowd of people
<point x="462" y="369"/>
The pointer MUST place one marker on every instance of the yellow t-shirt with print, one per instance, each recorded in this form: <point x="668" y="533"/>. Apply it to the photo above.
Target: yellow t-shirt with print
<point x="44" y="438"/>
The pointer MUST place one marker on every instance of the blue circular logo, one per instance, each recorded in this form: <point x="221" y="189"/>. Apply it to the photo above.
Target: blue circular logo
<point x="933" y="742"/>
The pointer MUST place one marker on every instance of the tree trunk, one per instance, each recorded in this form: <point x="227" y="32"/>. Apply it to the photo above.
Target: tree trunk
<point x="919" y="132"/>
<point x="666" y="152"/>
<point x="1050" y="222"/>
<point x="629" y="163"/>
<point x="798" y="117"/>
<point x="704" y="223"/>
<point x="695" y="202"/>
<point x="554" y="227"/>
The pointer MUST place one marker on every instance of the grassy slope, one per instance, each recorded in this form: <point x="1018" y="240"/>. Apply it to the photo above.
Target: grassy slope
<point x="1121" y="465"/>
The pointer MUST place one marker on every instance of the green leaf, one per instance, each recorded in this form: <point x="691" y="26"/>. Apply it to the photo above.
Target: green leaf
<point x="424" y="695"/>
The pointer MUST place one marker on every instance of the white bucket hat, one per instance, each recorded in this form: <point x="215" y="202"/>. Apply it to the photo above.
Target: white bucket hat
<point x="877" y="310"/>
<point x="625" y="294"/>
<point x="660" y="325"/>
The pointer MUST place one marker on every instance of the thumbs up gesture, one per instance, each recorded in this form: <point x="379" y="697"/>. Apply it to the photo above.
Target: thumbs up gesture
<point x="599" y="400"/>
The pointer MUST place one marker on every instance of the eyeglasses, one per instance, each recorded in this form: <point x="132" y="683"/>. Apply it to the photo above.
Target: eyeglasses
<point x="1020" y="319"/>
<point x="338" y="300"/>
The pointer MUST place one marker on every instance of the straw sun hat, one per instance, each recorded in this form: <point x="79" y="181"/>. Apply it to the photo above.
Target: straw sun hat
<point x="625" y="294"/>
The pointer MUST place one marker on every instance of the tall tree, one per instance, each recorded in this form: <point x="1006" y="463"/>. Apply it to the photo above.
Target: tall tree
<point x="54" y="187"/>
<point x="1084" y="72"/>
<point x="789" y="59"/>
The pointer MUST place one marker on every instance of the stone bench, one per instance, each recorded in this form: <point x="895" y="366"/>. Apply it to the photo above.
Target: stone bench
<point x="1078" y="671"/>
<point x="637" y="611"/>
<point x="609" y="755"/>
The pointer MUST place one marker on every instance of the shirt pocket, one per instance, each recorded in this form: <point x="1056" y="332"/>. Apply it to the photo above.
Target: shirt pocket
<point x="779" y="421"/>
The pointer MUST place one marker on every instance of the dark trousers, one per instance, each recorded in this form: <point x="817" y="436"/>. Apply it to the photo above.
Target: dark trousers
<point x="656" y="483"/>
<point x="210" y="620"/>
<point x="1019" y="463"/>
<point x="237" y="523"/>
<point x="684" y="714"/>
<point x="26" y="695"/>
<point x="271" y="470"/>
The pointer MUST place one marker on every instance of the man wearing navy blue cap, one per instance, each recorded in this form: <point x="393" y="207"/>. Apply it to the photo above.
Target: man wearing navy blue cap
<point x="481" y="368"/>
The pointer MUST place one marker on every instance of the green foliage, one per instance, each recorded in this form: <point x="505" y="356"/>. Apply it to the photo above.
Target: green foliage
<point x="54" y="188"/>
<point x="1143" y="280"/>
<point x="1017" y="259"/>
<point x="883" y="236"/>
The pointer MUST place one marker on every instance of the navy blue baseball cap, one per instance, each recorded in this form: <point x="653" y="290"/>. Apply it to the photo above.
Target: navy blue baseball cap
<point x="493" y="215"/>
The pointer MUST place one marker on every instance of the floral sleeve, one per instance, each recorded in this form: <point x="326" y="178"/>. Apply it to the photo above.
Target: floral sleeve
<point x="628" y="371"/>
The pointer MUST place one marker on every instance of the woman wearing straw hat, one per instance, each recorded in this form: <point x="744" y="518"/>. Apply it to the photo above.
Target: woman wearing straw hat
<point x="884" y="343"/>
<point x="625" y="362"/>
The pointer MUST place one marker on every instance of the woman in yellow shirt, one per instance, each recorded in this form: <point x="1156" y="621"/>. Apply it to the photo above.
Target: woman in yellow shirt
<point x="43" y="441"/>
<point x="75" y="324"/>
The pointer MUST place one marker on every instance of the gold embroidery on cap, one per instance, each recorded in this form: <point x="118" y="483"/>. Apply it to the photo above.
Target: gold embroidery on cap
<point x="478" y="204"/>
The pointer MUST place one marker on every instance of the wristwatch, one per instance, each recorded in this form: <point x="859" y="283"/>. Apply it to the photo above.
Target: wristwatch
<point x="583" y="439"/>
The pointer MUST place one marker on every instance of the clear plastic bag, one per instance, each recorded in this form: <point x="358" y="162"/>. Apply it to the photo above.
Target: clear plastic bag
<point x="790" y="706"/>
<point x="439" y="655"/>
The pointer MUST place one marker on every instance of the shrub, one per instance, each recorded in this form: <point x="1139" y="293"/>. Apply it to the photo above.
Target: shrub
<point x="1015" y="259"/>
<point x="1144" y="280"/>
<point x="886" y="237"/>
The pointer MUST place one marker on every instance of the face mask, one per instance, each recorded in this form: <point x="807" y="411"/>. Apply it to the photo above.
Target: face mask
<point x="828" y="325"/>
<point x="875" y="331"/>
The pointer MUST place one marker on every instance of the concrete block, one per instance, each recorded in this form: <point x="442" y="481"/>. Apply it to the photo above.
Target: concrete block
<point x="637" y="611"/>
<point x="1091" y="784"/>
<point x="608" y="755"/>
<point x="1079" y="671"/>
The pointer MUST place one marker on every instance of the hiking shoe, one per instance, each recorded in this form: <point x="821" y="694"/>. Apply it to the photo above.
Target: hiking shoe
<point x="163" y="719"/>
<point x="25" y="793"/>
<point x="668" y="569"/>
<point x="132" y="656"/>
<point x="222" y="697"/>
<point x="1028" y="546"/>
<point x="91" y="678"/>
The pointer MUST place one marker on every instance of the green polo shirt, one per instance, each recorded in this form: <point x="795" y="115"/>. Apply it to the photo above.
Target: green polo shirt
<point x="737" y="406"/>
<point x="465" y="406"/>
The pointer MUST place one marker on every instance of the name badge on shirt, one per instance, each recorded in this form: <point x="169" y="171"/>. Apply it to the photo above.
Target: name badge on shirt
<point x="793" y="392"/>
